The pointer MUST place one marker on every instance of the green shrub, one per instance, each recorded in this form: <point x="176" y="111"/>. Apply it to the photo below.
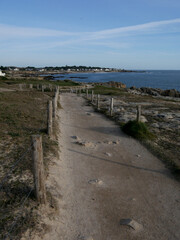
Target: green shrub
<point x="137" y="130"/>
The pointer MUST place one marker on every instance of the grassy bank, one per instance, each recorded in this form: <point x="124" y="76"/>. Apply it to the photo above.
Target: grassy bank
<point x="9" y="82"/>
<point x="23" y="114"/>
<point x="103" y="90"/>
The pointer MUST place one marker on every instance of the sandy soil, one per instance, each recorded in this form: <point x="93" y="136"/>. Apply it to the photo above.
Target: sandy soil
<point x="102" y="177"/>
<point x="6" y="90"/>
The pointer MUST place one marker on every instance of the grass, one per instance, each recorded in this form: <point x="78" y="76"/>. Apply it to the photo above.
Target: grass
<point x="12" y="81"/>
<point x="137" y="130"/>
<point x="22" y="114"/>
<point x="103" y="90"/>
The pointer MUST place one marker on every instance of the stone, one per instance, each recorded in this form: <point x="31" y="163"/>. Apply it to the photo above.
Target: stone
<point x="95" y="181"/>
<point x="85" y="144"/>
<point x="85" y="238"/>
<point x="155" y="125"/>
<point x="116" y="84"/>
<point x="75" y="137"/>
<point x="131" y="223"/>
<point x="143" y="119"/>
<point x="108" y="154"/>
<point x="108" y="142"/>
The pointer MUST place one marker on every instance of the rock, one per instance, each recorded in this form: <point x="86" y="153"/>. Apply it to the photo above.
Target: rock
<point x="143" y="119"/>
<point x="84" y="238"/>
<point x="95" y="181"/>
<point x="108" y="154"/>
<point x="133" y="88"/>
<point x="171" y="93"/>
<point x="155" y="125"/>
<point x="116" y="84"/>
<point x="85" y="143"/>
<point x="108" y="142"/>
<point x="138" y="155"/>
<point x="116" y="142"/>
<point x="165" y="115"/>
<point x="76" y="137"/>
<point x="131" y="223"/>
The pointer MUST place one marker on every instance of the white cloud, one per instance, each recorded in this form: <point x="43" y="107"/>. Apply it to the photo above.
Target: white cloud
<point x="14" y="31"/>
<point x="140" y="27"/>
<point x="38" y="38"/>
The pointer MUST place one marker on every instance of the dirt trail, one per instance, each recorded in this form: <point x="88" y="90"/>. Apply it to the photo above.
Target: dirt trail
<point x="104" y="176"/>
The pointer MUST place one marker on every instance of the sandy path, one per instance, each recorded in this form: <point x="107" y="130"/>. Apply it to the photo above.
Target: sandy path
<point x="132" y="183"/>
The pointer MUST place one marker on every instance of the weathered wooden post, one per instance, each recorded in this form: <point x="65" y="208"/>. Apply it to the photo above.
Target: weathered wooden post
<point x="20" y="87"/>
<point x="42" y="88"/>
<point x="57" y="89"/>
<point x="98" y="98"/>
<point x="139" y="113"/>
<point x="54" y="107"/>
<point x="49" y="118"/>
<point x="56" y="96"/>
<point x="37" y="86"/>
<point x="30" y="86"/>
<point x="111" y="106"/>
<point x="80" y="92"/>
<point x="86" y="93"/>
<point x="76" y="91"/>
<point x="92" y="96"/>
<point x="38" y="169"/>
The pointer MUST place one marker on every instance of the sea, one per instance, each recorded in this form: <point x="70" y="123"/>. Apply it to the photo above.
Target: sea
<point x="163" y="79"/>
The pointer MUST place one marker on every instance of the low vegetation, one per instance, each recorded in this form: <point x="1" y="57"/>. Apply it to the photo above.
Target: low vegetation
<point x="23" y="114"/>
<point x="109" y="91"/>
<point x="4" y="81"/>
<point x="137" y="130"/>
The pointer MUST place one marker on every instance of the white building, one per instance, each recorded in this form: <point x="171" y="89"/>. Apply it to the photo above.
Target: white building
<point x="2" y="74"/>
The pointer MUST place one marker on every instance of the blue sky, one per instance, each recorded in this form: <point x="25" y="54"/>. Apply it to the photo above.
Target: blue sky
<point x="130" y="34"/>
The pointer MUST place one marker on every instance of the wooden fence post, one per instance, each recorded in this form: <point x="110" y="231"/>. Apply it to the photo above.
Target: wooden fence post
<point x="20" y="87"/>
<point x="80" y="92"/>
<point x="139" y="113"/>
<point x="49" y="120"/>
<point x="38" y="169"/>
<point x="54" y="107"/>
<point x="86" y="93"/>
<point x="111" y="106"/>
<point x="98" y="97"/>
<point x="92" y="96"/>
<point x="30" y="86"/>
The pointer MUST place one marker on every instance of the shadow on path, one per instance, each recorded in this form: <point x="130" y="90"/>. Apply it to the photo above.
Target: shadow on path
<point x="163" y="172"/>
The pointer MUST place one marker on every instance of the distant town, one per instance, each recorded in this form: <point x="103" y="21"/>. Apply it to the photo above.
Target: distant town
<point x="62" y="69"/>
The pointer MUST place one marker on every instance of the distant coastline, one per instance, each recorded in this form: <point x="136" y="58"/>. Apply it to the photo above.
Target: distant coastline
<point x="151" y="79"/>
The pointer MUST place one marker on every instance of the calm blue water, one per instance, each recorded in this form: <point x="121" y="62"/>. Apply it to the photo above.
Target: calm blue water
<point x="155" y="78"/>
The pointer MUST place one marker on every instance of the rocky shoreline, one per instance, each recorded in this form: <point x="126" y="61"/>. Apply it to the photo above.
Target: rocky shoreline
<point x="155" y="92"/>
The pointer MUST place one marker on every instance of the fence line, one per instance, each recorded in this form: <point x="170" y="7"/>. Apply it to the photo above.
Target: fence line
<point x="111" y="104"/>
<point x="15" y="164"/>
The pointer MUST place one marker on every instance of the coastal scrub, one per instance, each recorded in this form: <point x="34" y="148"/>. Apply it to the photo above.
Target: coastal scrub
<point x="137" y="130"/>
